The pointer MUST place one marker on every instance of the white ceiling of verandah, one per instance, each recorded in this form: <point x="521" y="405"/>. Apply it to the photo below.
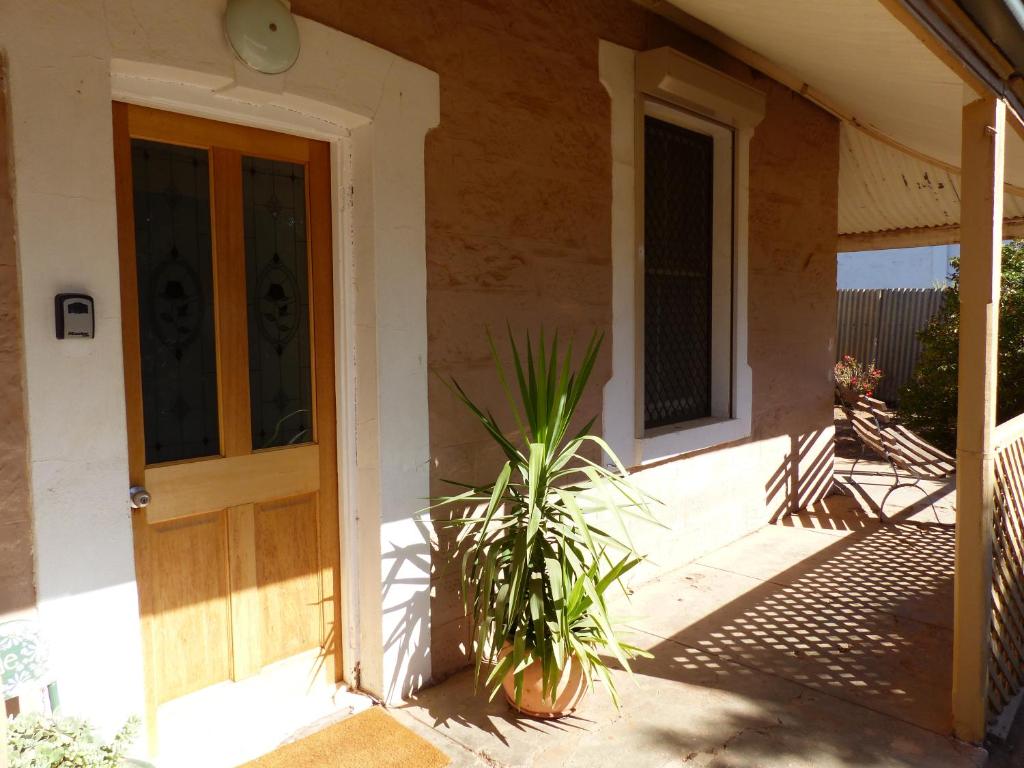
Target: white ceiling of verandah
<point x="871" y="68"/>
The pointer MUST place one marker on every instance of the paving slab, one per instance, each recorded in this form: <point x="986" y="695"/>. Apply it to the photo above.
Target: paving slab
<point x="683" y="708"/>
<point x="790" y="647"/>
<point x="850" y="619"/>
<point x="680" y="599"/>
<point x="772" y="550"/>
<point x="901" y="568"/>
<point x="838" y="515"/>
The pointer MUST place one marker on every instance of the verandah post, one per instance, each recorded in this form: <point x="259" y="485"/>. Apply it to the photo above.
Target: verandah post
<point x="981" y="215"/>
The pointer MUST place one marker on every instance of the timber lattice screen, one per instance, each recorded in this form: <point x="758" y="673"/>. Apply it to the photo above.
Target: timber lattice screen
<point x="1006" y="667"/>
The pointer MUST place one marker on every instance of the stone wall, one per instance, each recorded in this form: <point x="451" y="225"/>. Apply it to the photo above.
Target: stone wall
<point x="794" y="167"/>
<point x="518" y="231"/>
<point x="721" y="494"/>
<point x="17" y="585"/>
<point x="793" y="219"/>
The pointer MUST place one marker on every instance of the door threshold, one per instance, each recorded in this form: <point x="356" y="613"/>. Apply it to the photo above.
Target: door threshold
<point x="231" y="723"/>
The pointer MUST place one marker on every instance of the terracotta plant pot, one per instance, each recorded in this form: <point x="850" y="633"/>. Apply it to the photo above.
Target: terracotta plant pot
<point x="571" y="689"/>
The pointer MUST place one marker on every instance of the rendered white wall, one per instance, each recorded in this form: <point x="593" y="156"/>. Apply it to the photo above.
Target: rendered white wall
<point x="925" y="267"/>
<point x="375" y="109"/>
<point x="709" y="500"/>
<point x="67" y="241"/>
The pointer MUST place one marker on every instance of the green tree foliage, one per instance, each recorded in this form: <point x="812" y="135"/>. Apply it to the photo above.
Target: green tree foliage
<point x="928" y="402"/>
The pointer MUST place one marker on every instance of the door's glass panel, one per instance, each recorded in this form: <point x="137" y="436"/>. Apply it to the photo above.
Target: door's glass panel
<point x="280" y="386"/>
<point x="171" y="193"/>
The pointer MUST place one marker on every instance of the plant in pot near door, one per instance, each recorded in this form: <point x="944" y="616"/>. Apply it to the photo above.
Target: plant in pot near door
<point x="546" y="543"/>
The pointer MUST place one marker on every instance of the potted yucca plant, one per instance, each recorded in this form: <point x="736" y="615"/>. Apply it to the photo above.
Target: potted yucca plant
<point x="540" y="558"/>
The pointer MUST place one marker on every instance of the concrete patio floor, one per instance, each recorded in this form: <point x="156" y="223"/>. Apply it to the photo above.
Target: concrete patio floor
<point x="822" y="640"/>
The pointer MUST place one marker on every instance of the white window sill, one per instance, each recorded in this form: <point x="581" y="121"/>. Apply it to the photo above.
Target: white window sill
<point x="667" y="442"/>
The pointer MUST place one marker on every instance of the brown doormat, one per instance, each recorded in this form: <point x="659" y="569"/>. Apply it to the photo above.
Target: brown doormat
<point x="371" y="739"/>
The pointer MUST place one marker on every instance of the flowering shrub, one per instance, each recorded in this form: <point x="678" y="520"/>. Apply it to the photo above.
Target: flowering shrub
<point x="38" y="741"/>
<point x="854" y="378"/>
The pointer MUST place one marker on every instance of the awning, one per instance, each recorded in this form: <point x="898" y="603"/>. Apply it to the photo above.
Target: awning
<point x="889" y="199"/>
<point x="900" y="106"/>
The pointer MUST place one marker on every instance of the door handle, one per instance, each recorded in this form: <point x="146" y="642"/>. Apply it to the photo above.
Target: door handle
<point x="138" y="497"/>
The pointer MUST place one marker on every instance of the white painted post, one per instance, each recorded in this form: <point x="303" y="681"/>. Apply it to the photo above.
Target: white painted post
<point x="981" y="214"/>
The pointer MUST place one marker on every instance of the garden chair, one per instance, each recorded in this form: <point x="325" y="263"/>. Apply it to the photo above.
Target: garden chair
<point x="900" y="447"/>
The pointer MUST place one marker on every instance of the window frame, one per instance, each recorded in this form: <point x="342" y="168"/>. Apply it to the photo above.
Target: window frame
<point x="722" y="264"/>
<point x="667" y="77"/>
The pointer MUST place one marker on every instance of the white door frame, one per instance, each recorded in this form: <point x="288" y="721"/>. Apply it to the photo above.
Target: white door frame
<point x="65" y="67"/>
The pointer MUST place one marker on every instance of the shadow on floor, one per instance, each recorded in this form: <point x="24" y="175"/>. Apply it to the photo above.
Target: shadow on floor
<point x="795" y="646"/>
<point x="869" y="483"/>
<point x="866" y="619"/>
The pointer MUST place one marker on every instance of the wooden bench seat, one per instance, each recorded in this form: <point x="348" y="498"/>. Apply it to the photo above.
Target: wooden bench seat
<point x="904" y="450"/>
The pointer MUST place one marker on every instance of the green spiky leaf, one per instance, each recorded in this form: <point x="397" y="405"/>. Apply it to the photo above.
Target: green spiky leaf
<point x="538" y="556"/>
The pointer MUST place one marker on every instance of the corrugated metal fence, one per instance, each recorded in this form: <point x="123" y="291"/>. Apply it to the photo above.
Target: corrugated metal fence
<point x="882" y="325"/>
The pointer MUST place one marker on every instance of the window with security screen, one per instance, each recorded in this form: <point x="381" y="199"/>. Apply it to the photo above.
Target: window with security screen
<point x="679" y="255"/>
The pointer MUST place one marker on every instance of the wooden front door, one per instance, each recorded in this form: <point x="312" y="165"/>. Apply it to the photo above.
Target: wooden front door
<point x="227" y="308"/>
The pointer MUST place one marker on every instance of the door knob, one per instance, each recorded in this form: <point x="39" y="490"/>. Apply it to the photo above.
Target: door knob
<point x="139" y="497"/>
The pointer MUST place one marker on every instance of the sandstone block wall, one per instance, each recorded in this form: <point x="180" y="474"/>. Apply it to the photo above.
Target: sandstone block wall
<point x="716" y="496"/>
<point x="518" y="183"/>
<point x="17" y="584"/>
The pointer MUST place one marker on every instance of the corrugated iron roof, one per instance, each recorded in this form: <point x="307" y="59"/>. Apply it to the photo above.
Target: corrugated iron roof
<point x="901" y="106"/>
<point x="881" y="188"/>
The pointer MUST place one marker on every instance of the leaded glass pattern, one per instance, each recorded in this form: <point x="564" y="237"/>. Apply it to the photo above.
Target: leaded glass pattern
<point x="678" y="208"/>
<point x="171" y="195"/>
<point x="277" y="287"/>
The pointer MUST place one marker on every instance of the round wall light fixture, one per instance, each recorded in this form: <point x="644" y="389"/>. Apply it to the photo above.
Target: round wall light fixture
<point x="263" y="34"/>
